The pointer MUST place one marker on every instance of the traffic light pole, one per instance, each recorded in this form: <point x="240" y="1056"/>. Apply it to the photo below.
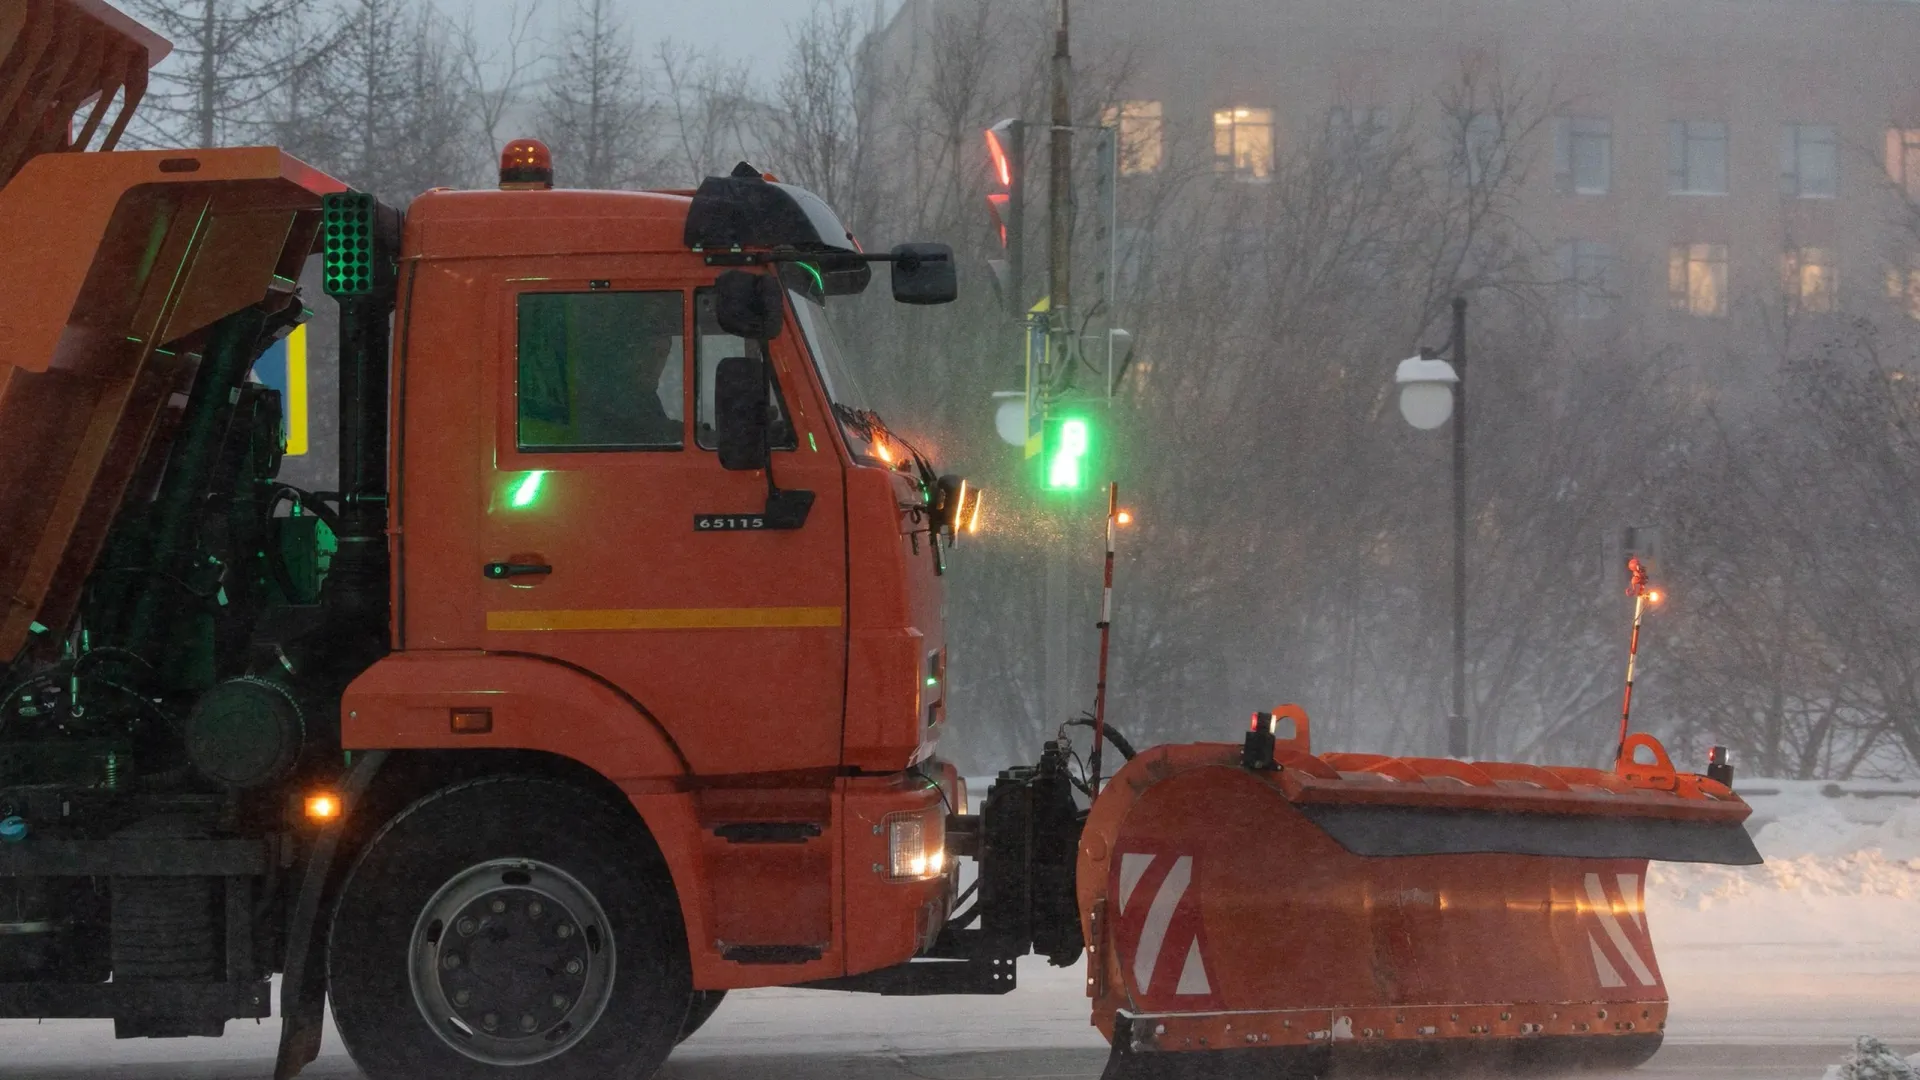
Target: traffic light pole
<point x="1060" y="201"/>
<point x="1056" y="641"/>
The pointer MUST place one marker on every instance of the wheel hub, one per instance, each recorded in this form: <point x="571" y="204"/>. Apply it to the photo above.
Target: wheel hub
<point x="512" y="961"/>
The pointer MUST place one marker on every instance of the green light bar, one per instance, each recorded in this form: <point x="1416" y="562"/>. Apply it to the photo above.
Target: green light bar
<point x="347" y="227"/>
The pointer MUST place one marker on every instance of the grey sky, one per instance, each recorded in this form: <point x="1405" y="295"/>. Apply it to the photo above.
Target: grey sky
<point x="754" y="30"/>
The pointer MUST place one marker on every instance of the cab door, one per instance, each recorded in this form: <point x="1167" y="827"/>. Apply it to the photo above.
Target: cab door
<point x="614" y="541"/>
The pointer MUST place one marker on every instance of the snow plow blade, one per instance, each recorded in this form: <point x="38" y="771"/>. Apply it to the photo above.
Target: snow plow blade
<point x="1284" y="919"/>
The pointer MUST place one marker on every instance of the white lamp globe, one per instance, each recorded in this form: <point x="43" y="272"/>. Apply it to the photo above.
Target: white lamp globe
<point x="1010" y="420"/>
<point x="1426" y="391"/>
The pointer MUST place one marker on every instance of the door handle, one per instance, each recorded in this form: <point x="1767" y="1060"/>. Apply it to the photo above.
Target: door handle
<point x="497" y="570"/>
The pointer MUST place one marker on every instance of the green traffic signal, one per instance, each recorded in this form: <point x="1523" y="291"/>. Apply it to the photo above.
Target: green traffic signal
<point x="1066" y="454"/>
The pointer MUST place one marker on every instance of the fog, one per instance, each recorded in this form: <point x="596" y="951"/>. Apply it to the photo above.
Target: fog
<point x="1687" y="242"/>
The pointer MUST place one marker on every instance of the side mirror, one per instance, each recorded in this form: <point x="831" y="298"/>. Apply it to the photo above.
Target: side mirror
<point x="924" y="274"/>
<point x="740" y="411"/>
<point x="748" y="305"/>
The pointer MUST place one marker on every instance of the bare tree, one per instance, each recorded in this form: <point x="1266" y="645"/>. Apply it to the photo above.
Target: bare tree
<point x="229" y="56"/>
<point x="597" y="110"/>
<point x="386" y="111"/>
<point x="494" y="79"/>
<point x="710" y="110"/>
<point x="813" y="131"/>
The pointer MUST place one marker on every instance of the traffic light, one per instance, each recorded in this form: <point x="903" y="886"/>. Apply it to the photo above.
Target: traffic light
<point x="1006" y="206"/>
<point x="1067" y="452"/>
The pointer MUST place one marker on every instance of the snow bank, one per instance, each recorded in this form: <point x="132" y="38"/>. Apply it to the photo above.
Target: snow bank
<point x="1818" y="849"/>
<point x="1819" y="944"/>
<point x="1872" y="1059"/>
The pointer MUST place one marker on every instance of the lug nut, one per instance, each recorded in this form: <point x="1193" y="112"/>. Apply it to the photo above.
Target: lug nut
<point x="536" y="909"/>
<point x="467" y="926"/>
<point x="490" y="1021"/>
<point x="461" y="997"/>
<point x="565" y="930"/>
<point x="498" y="907"/>
<point x="450" y="961"/>
<point x="573" y="967"/>
<point x="528" y="1023"/>
<point x="560" y="1001"/>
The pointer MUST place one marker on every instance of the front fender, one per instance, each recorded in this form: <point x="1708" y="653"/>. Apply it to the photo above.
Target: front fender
<point x="407" y="701"/>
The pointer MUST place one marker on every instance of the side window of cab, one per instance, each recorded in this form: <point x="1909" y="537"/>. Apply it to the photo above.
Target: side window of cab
<point x="601" y="371"/>
<point x="714" y="345"/>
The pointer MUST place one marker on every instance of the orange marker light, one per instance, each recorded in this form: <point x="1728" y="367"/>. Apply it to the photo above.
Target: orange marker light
<point x="1654" y="596"/>
<point x="1124" y="517"/>
<point x="323" y="807"/>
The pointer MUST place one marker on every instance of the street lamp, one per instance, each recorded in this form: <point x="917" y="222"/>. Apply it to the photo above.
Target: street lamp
<point x="1431" y="390"/>
<point x="1426" y="390"/>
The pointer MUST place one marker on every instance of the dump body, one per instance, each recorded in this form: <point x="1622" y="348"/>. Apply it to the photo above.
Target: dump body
<point x="133" y="256"/>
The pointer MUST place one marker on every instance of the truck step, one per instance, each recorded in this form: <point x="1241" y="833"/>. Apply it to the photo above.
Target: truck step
<point x="773" y="954"/>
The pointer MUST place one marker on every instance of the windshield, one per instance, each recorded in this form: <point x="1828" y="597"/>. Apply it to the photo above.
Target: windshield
<point x="850" y="401"/>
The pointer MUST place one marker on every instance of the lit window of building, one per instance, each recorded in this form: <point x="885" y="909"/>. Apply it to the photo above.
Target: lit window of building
<point x="1583" y="155"/>
<point x="1697" y="279"/>
<point x="1142" y="137"/>
<point x="1243" y="142"/>
<point x="1697" y="157"/>
<point x="1807" y="275"/>
<point x="1587" y="268"/>
<point x="1903" y="159"/>
<point x="1809" y="161"/>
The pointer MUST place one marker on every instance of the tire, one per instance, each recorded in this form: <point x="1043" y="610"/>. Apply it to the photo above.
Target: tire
<point x="509" y="927"/>
<point x="701" y="1009"/>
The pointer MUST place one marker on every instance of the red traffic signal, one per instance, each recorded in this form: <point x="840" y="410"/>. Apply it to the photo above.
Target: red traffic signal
<point x="1000" y="155"/>
<point x="1005" y="161"/>
<point x="997" y="210"/>
<point x="1006" y="206"/>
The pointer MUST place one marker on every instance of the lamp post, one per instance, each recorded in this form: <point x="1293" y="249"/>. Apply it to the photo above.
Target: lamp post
<point x="1431" y="390"/>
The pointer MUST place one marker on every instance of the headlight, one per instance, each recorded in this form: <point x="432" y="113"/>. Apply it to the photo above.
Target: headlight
<point x="916" y="846"/>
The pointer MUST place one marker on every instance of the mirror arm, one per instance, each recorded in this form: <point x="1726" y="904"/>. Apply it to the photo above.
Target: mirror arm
<point x="786" y="509"/>
<point x="767" y="258"/>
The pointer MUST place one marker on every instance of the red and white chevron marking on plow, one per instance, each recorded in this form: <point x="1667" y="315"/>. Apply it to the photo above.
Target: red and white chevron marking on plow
<point x="1158" y="932"/>
<point x="1620" y="943"/>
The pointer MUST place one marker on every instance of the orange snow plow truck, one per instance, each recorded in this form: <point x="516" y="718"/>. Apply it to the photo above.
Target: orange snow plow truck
<point x="611" y="676"/>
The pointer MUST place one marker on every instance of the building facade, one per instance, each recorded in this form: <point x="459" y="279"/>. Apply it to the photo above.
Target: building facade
<point x="1693" y="165"/>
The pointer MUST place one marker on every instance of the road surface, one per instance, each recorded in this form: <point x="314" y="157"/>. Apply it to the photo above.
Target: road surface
<point x="1761" y="1010"/>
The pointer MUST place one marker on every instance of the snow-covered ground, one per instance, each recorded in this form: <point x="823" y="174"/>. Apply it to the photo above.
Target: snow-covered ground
<point x="1773" y="971"/>
<point x="1821" y="942"/>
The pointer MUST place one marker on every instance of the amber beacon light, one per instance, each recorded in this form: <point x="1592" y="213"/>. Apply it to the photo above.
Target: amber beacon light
<point x="526" y="165"/>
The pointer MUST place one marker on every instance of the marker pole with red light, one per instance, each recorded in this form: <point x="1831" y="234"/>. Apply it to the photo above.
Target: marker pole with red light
<point x="1106" y="628"/>
<point x="1636" y="588"/>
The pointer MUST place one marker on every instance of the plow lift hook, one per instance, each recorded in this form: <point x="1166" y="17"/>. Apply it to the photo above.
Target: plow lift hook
<point x="1643" y="595"/>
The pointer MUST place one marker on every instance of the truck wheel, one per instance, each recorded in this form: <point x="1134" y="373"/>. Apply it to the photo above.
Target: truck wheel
<point x="509" y="927"/>
<point x="699" y="1011"/>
